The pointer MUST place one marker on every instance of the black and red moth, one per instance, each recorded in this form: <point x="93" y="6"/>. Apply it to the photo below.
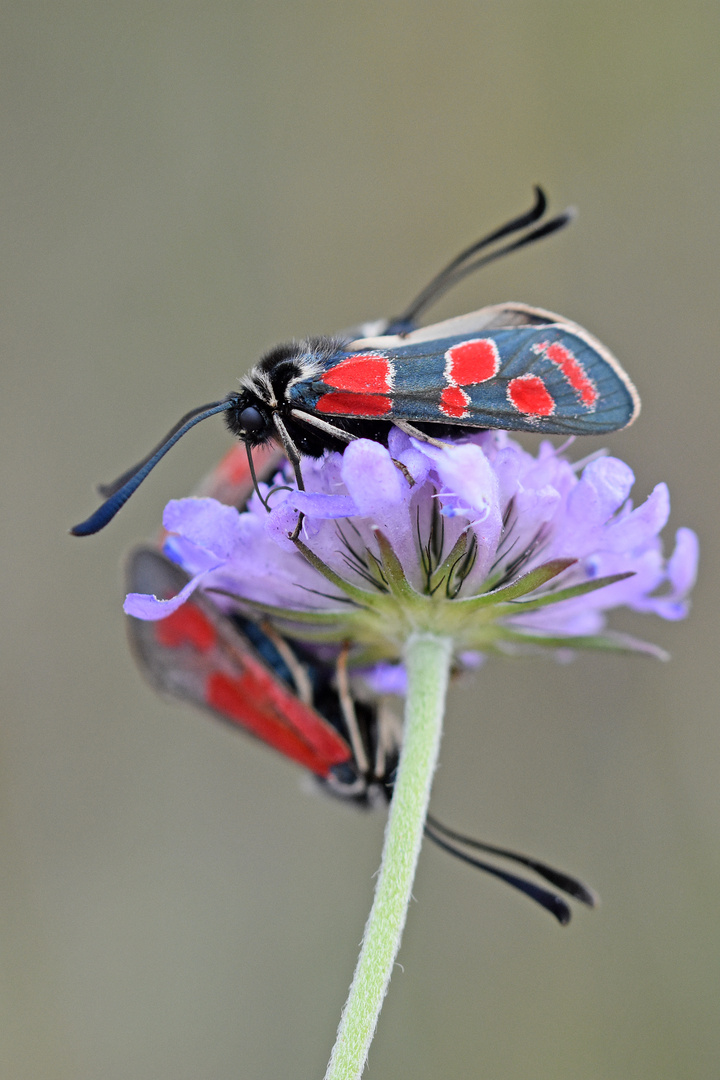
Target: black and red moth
<point x="508" y="366"/>
<point x="245" y="673"/>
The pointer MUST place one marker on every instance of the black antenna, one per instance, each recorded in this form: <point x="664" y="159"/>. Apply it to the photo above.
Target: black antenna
<point x="121" y="489"/>
<point x="464" y="264"/>
<point x="450" y="841"/>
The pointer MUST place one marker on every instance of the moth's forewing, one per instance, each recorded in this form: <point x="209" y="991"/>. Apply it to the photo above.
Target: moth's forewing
<point x="509" y="366"/>
<point x="199" y="655"/>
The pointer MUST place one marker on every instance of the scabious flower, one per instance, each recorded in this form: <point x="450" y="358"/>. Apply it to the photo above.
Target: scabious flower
<point x="479" y="540"/>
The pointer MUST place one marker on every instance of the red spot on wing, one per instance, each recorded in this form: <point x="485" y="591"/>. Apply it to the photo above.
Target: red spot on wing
<point x="364" y="373"/>
<point x="472" y="362"/>
<point x="573" y="371"/>
<point x="261" y="705"/>
<point x="345" y="404"/>
<point x="186" y="626"/>
<point x="529" y="395"/>
<point x="454" y="401"/>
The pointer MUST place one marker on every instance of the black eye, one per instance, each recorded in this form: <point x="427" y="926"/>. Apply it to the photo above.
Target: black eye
<point x="251" y="420"/>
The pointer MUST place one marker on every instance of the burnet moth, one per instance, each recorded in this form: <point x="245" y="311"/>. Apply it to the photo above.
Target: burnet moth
<point x="248" y="675"/>
<point x="508" y="366"/>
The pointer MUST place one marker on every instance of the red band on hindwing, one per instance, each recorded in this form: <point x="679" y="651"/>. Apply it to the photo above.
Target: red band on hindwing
<point x="529" y="395"/>
<point x="572" y="369"/>
<point x="186" y="626"/>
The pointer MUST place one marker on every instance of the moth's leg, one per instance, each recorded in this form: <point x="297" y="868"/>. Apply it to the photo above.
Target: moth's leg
<point x="290" y="449"/>
<point x="300" y="677"/>
<point x="415" y="433"/>
<point x="348" y="710"/>
<point x="389" y="736"/>
<point x="322" y="425"/>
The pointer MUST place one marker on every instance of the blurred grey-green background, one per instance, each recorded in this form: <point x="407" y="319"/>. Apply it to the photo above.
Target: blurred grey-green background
<point x="184" y="184"/>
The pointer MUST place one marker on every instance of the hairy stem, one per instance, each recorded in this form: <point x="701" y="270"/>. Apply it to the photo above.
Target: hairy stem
<point x="428" y="662"/>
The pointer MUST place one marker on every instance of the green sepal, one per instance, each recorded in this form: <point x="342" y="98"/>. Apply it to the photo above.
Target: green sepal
<point x="524" y="585"/>
<point x="392" y="569"/>
<point x="518" y="607"/>
<point x="443" y="573"/>
<point x="360" y="596"/>
<point x="317" y="617"/>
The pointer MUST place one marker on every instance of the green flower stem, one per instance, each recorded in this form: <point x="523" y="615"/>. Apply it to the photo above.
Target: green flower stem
<point x="428" y="663"/>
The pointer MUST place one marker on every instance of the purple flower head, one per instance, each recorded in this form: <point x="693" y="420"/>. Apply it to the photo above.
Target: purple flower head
<point x="479" y="540"/>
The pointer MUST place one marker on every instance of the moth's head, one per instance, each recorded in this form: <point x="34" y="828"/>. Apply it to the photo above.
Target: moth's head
<point x="249" y="418"/>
